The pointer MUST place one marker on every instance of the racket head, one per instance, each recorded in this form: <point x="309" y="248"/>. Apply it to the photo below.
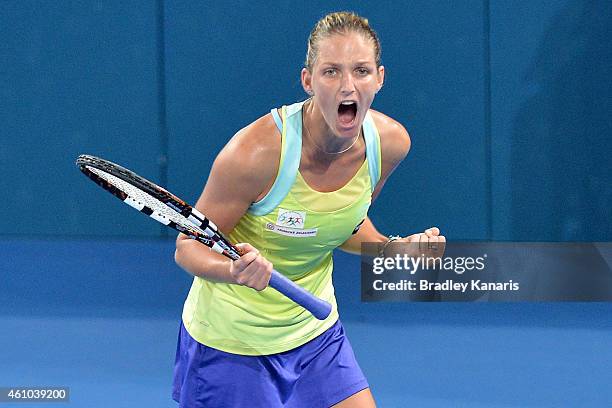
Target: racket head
<point x="161" y="194"/>
<point x="154" y="201"/>
<point x="86" y="162"/>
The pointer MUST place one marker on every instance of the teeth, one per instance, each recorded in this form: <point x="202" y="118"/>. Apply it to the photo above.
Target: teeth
<point x="347" y="103"/>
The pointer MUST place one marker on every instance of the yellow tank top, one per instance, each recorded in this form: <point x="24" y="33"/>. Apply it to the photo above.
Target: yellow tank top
<point x="296" y="228"/>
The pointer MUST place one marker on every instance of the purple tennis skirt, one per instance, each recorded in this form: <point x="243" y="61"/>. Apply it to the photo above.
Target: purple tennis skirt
<point x="320" y="373"/>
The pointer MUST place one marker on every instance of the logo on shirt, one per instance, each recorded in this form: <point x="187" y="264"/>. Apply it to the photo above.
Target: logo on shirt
<point x="291" y="224"/>
<point x="290" y="218"/>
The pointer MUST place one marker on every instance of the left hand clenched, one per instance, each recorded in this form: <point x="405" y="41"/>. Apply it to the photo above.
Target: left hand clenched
<point x="429" y="243"/>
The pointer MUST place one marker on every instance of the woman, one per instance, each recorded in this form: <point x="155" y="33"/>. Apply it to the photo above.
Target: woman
<point x="292" y="186"/>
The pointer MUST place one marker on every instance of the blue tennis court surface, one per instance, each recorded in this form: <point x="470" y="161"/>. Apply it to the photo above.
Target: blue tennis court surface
<point x="108" y="332"/>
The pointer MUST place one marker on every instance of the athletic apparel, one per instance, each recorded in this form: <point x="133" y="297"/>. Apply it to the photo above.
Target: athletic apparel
<point x="320" y="373"/>
<point x="296" y="228"/>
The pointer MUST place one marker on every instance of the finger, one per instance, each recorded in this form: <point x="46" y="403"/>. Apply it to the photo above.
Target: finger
<point x="423" y="239"/>
<point x="269" y="273"/>
<point x="433" y="231"/>
<point x="432" y="242"/>
<point x="245" y="247"/>
<point x="256" y="274"/>
<point x="246" y="269"/>
<point x="441" y="246"/>
<point x="265" y="273"/>
<point x="245" y="260"/>
<point x="258" y="264"/>
<point x="412" y="238"/>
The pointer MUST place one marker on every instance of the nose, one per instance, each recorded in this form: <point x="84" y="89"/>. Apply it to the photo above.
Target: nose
<point x="347" y="86"/>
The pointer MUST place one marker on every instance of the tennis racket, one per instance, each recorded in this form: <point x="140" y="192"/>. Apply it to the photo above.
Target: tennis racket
<point x="170" y="210"/>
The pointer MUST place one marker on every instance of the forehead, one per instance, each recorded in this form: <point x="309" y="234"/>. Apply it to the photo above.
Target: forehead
<point x="345" y="47"/>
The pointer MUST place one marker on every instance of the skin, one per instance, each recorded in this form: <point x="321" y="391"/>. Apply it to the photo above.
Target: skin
<point x="344" y="69"/>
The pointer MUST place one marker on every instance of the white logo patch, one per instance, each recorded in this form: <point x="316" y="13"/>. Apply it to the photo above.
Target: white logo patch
<point x="290" y="218"/>
<point x="291" y="232"/>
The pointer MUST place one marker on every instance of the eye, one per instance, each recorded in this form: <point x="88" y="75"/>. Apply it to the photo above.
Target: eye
<point x="329" y="72"/>
<point x="362" y="71"/>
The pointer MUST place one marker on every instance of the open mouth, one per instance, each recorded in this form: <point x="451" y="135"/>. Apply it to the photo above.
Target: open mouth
<point x="347" y="112"/>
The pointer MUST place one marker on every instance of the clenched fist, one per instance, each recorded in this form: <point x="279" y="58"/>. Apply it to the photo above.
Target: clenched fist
<point x="429" y="244"/>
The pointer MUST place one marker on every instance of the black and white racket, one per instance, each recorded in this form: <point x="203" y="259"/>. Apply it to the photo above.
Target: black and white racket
<point x="170" y="210"/>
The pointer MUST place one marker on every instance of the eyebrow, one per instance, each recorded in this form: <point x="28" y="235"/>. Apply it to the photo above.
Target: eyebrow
<point x="360" y="62"/>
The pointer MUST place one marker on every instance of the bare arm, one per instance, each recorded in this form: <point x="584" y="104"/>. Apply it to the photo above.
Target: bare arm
<point x="367" y="233"/>
<point x="241" y="173"/>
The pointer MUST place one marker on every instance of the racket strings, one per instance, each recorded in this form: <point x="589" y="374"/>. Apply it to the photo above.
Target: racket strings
<point x="166" y="213"/>
<point x="140" y="199"/>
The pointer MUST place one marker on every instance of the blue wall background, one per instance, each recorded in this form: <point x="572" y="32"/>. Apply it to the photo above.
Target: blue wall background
<point x="508" y="106"/>
<point x="507" y="103"/>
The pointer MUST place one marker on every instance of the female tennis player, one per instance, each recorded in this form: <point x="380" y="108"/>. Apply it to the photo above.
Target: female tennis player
<point x="291" y="187"/>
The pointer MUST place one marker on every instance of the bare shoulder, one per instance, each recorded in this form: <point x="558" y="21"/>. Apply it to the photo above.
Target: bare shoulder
<point x="243" y="170"/>
<point x="394" y="138"/>
<point x="253" y="153"/>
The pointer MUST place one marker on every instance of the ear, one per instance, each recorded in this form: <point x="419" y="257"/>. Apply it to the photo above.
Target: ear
<point x="306" y="77"/>
<point x="380" y="77"/>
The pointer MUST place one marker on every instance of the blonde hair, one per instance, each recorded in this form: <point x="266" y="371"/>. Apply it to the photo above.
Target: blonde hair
<point x="341" y="22"/>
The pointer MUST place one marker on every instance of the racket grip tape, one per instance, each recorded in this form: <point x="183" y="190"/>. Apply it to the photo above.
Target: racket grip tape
<point x="319" y="308"/>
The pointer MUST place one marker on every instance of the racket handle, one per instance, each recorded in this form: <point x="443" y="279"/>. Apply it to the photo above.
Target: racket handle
<point x="319" y="308"/>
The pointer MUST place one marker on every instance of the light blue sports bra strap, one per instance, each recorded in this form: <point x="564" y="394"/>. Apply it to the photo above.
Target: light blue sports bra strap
<point x="291" y="152"/>
<point x="373" y="153"/>
<point x="277" y="120"/>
